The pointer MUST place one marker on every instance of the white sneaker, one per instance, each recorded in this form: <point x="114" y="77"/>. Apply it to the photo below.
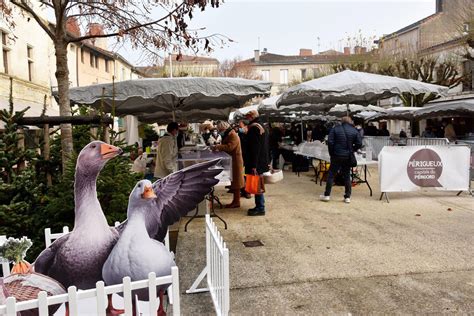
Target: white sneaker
<point x="347" y="200"/>
<point x="324" y="198"/>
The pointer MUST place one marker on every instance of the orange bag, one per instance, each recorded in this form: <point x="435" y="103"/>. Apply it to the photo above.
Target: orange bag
<point x="254" y="184"/>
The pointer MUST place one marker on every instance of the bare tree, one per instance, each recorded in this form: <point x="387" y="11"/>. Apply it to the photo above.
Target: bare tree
<point x="430" y="70"/>
<point x="126" y="20"/>
<point x="237" y="68"/>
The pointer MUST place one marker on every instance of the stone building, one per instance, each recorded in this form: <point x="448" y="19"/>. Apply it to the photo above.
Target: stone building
<point x="284" y="71"/>
<point x="25" y="59"/>
<point x="184" y="66"/>
<point x="442" y="35"/>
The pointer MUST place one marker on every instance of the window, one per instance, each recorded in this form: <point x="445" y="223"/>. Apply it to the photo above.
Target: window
<point x="29" y="54"/>
<point x="284" y="76"/>
<point x="465" y="28"/>
<point x="97" y="62"/>
<point x="303" y="74"/>
<point x="316" y="73"/>
<point x="82" y="55"/>
<point x="106" y="65"/>
<point x="5" y="51"/>
<point x="92" y="59"/>
<point x="266" y="75"/>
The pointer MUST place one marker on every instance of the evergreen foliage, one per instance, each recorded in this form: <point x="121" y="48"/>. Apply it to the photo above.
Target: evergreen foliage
<point x="28" y="206"/>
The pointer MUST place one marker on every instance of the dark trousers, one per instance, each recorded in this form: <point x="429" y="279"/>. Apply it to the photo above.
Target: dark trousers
<point x="260" y="202"/>
<point x="275" y="158"/>
<point x="342" y="164"/>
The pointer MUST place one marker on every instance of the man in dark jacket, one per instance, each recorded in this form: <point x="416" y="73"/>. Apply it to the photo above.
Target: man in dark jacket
<point x="257" y="158"/>
<point x="343" y="140"/>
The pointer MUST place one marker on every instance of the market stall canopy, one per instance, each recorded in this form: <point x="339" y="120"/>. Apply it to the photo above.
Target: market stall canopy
<point x="268" y="106"/>
<point x="446" y="109"/>
<point x="405" y="113"/>
<point x="190" y="116"/>
<point x="354" y="87"/>
<point x="344" y="109"/>
<point x="169" y="94"/>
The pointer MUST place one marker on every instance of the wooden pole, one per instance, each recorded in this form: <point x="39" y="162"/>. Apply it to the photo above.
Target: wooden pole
<point x="57" y="120"/>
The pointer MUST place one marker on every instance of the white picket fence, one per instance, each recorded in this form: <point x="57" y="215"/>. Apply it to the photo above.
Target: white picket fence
<point x="216" y="270"/>
<point x="73" y="296"/>
<point x="11" y="306"/>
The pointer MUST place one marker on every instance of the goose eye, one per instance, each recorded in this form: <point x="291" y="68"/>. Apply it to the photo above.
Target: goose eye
<point x="139" y="185"/>
<point x="93" y="146"/>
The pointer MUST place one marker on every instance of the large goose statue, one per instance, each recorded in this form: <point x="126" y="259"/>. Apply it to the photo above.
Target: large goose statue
<point x="136" y="254"/>
<point x="150" y="210"/>
<point x="77" y="258"/>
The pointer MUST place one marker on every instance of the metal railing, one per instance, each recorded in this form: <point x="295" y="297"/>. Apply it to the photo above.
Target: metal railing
<point x="417" y="141"/>
<point x="216" y="270"/>
<point x="376" y="143"/>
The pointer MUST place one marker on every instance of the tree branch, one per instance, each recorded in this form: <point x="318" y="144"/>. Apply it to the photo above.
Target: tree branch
<point x="43" y="24"/>
<point x="81" y="38"/>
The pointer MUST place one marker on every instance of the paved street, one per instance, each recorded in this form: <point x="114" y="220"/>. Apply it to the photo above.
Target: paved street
<point x="413" y="255"/>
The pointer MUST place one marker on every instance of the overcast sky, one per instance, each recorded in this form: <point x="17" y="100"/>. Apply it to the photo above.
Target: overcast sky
<point x="286" y="26"/>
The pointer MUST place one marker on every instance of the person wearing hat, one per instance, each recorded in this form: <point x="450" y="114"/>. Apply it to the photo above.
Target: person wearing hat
<point x="257" y="159"/>
<point x="215" y="138"/>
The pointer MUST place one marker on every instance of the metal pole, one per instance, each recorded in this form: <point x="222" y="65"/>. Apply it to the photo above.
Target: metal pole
<point x="171" y="71"/>
<point x="302" y="133"/>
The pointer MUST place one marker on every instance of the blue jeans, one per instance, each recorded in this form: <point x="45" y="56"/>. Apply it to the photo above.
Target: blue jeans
<point x="260" y="202"/>
<point x="343" y="164"/>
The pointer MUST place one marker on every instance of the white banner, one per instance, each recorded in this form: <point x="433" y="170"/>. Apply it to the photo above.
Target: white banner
<point x="410" y="168"/>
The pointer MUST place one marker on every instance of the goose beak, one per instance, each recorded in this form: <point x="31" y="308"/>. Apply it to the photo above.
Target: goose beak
<point x="108" y="151"/>
<point x="148" y="193"/>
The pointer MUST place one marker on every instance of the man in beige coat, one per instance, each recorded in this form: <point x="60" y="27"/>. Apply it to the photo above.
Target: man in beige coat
<point x="167" y="152"/>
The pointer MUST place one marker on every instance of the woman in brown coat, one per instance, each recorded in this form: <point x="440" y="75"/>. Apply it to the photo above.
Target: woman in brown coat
<point x="231" y="145"/>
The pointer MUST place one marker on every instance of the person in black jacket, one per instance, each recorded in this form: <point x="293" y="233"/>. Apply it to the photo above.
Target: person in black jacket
<point x="257" y="158"/>
<point x="343" y="140"/>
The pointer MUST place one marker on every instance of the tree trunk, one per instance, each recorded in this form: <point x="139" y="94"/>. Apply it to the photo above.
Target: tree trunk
<point x="46" y="151"/>
<point x="62" y="76"/>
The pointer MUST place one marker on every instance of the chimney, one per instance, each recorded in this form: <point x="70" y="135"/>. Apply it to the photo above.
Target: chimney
<point x="97" y="29"/>
<point x="306" y="52"/>
<point x="257" y="55"/>
<point x="363" y="50"/>
<point x="264" y="51"/>
<point x="347" y="50"/>
<point x="357" y="49"/>
<point x="72" y="27"/>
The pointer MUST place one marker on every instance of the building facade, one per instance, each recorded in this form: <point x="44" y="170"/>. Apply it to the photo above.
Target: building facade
<point x="284" y="71"/>
<point x="25" y="60"/>
<point x="192" y="66"/>
<point x="442" y="35"/>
